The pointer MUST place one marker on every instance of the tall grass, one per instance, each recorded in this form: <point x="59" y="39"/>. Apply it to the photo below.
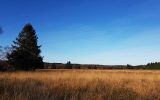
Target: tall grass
<point x="80" y="85"/>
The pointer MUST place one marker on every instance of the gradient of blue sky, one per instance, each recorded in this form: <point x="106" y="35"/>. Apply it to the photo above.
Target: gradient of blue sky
<point x="88" y="31"/>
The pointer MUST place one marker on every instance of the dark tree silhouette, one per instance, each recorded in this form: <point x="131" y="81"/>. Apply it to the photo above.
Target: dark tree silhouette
<point x="53" y="66"/>
<point x="68" y="65"/>
<point x="152" y="65"/>
<point x="129" y="66"/>
<point x="25" y="53"/>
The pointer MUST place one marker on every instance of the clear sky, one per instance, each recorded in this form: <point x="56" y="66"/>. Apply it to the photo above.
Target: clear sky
<point x="87" y="31"/>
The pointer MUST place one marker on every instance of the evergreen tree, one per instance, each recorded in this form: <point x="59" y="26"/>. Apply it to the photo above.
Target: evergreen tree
<point x="25" y="53"/>
<point x="68" y="65"/>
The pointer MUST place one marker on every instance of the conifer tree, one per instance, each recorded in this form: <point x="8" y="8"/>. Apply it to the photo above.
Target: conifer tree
<point x="68" y="65"/>
<point x="25" y="53"/>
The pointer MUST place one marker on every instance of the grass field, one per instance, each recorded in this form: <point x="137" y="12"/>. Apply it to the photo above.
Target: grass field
<point x="80" y="85"/>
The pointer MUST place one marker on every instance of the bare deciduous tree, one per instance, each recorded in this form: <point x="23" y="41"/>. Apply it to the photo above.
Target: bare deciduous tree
<point x="3" y="52"/>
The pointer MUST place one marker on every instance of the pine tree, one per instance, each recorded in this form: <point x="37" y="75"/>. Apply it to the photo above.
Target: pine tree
<point x="68" y="65"/>
<point x="25" y="53"/>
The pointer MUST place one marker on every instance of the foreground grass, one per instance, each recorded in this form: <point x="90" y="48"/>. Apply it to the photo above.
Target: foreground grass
<point x="80" y="85"/>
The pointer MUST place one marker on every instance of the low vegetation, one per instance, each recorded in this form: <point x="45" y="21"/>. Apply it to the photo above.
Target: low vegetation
<point x="80" y="85"/>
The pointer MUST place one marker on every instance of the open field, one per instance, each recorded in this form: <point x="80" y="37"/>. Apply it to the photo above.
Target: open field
<point x="80" y="85"/>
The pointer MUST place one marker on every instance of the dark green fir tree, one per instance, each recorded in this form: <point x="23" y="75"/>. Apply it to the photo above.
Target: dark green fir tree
<point x="25" y="53"/>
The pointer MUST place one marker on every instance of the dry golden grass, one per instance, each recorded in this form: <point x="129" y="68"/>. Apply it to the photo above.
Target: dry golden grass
<point x="80" y="85"/>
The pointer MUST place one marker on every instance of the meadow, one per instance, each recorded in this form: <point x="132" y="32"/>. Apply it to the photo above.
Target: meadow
<point x="80" y="85"/>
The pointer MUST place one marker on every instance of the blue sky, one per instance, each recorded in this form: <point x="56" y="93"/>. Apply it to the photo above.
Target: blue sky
<point x="87" y="31"/>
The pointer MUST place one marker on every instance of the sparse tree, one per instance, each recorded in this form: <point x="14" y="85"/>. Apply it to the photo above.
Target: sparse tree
<point x="3" y="52"/>
<point x="25" y="53"/>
